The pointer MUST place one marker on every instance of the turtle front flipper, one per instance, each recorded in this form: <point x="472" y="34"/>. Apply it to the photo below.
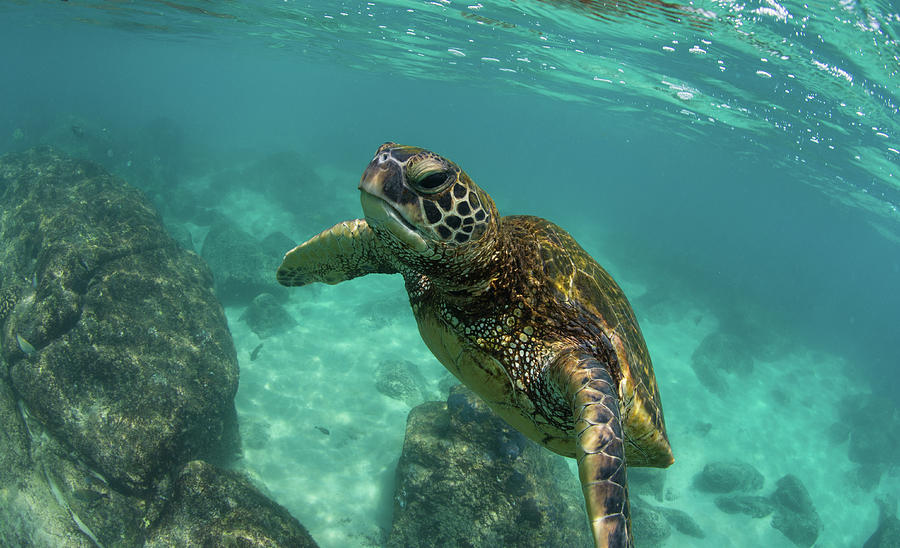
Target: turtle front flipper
<point x="599" y="448"/>
<point x="343" y="252"/>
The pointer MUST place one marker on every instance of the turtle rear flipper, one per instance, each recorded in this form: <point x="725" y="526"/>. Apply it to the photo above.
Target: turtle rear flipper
<point x="345" y="251"/>
<point x="599" y="448"/>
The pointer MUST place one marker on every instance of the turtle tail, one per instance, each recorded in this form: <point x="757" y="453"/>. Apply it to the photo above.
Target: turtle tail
<point x="600" y="449"/>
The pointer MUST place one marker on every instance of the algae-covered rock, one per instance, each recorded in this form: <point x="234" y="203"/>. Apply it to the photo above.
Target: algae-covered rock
<point x="266" y="317"/>
<point x="887" y="535"/>
<point x="277" y="244"/>
<point x="181" y="235"/>
<point x="795" y="515"/>
<point x="752" y="505"/>
<point x="873" y="428"/>
<point x="465" y="478"/>
<point x="401" y="380"/>
<point x="647" y="482"/>
<point x="214" y="507"/>
<point x="49" y="498"/>
<point x="133" y="364"/>
<point x="242" y="270"/>
<point x="117" y="368"/>
<point x="650" y="525"/>
<point x="725" y="477"/>
<point x="720" y="352"/>
<point x="682" y="521"/>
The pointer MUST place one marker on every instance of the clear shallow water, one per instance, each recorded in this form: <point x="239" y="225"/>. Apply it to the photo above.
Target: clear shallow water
<point x="731" y="163"/>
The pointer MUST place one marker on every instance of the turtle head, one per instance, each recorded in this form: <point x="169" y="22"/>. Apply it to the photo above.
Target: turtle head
<point x="424" y="206"/>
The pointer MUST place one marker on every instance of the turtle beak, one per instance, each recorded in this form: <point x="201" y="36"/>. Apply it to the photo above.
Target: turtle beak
<point x="380" y="181"/>
<point x="372" y="181"/>
<point x="383" y="176"/>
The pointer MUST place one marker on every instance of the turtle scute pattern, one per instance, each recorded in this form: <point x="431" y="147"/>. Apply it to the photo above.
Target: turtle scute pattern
<point x="587" y="288"/>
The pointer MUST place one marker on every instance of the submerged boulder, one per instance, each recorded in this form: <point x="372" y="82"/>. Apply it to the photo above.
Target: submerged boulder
<point x="717" y="353"/>
<point x="117" y="365"/>
<point x="795" y="515"/>
<point x="651" y="528"/>
<point x="116" y="343"/>
<point x="682" y="521"/>
<point x="214" y="507"/>
<point x="647" y="482"/>
<point x="725" y="477"/>
<point x="241" y="267"/>
<point x="887" y="535"/>
<point x="465" y="478"/>
<point x="400" y="380"/>
<point x="752" y="505"/>
<point x="266" y="317"/>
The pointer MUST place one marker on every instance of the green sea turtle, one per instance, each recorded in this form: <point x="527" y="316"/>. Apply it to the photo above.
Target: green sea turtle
<point x="516" y="310"/>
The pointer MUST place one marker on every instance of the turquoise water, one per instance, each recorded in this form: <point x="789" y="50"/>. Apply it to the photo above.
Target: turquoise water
<point x="733" y="164"/>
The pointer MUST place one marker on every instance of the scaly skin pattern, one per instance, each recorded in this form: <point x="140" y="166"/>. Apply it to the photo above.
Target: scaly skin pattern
<point x="515" y="309"/>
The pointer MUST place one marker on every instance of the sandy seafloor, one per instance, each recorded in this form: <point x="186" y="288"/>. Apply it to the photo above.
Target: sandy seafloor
<point x="320" y="375"/>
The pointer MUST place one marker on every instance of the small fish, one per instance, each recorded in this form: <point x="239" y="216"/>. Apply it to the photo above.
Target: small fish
<point x="94" y="478"/>
<point x="25" y="346"/>
<point x="255" y="353"/>
<point x="323" y="430"/>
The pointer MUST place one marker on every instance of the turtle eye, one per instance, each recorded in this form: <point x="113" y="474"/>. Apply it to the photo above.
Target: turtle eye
<point x="433" y="181"/>
<point x="429" y="175"/>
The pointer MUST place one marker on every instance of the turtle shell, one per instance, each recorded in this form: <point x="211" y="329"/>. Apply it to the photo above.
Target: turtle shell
<point x="580" y="281"/>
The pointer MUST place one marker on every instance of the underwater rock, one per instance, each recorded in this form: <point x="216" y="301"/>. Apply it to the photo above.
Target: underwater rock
<point x="868" y="476"/>
<point x="401" y="380"/>
<point x="240" y="267"/>
<point x="795" y="515"/>
<point x="725" y="477"/>
<point x="838" y="432"/>
<point x="214" y="507"/>
<point x="49" y="498"/>
<point x="753" y="506"/>
<point x="446" y="384"/>
<point x="266" y="317"/>
<point x="650" y="526"/>
<point x="720" y="352"/>
<point x="205" y="216"/>
<point x="13" y="439"/>
<point x="682" y="521"/>
<point x="887" y="535"/>
<point x="133" y="366"/>
<point x="277" y="244"/>
<point x="181" y="235"/>
<point x="650" y="522"/>
<point x="874" y="434"/>
<point x="132" y="372"/>
<point x="701" y="428"/>
<point x="647" y="482"/>
<point x="465" y="478"/>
